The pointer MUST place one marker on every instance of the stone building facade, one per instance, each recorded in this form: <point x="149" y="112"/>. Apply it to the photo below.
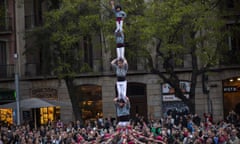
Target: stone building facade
<point x="144" y="88"/>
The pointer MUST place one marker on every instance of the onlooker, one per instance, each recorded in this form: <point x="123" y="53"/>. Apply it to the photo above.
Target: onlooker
<point x="233" y="137"/>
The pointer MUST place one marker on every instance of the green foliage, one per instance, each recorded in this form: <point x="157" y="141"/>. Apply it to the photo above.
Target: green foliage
<point x="132" y="26"/>
<point x="167" y="30"/>
<point x="63" y="32"/>
<point x="183" y="25"/>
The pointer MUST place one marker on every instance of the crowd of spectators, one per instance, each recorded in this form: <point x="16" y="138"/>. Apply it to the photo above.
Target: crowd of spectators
<point x="173" y="129"/>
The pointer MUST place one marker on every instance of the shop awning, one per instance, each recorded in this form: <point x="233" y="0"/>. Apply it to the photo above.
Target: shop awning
<point x="35" y="103"/>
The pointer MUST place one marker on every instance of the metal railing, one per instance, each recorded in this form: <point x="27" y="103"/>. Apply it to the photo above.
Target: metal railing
<point x="30" y="22"/>
<point x="6" y="24"/>
<point x="6" y="71"/>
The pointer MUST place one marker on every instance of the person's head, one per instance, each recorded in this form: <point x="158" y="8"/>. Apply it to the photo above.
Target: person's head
<point x="119" y="34"/>
<point x="118" y="8"/>
<point x="234" y="132"/>
<point x="120" y="62"/>
<point x="121" y="102"/>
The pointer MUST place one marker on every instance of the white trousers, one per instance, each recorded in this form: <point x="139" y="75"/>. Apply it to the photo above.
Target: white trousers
<point x="122" y="89"/>
<point x="120" y="53"/>
<point x="119" y="25"/>
<point x="123" y="124"/>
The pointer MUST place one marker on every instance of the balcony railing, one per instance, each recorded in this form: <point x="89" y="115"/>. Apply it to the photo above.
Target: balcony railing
<point x="36" y="69"/>
<point x="33" y="69"/>
<point x="5" y="24"/>
<point x="30" y="22"/>
<point x="6" y="71"/>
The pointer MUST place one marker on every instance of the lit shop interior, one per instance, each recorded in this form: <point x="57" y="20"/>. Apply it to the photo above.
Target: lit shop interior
<point x="42" y="115"/>
<point x="231" y="95"/>
<point x="6" y="96"/>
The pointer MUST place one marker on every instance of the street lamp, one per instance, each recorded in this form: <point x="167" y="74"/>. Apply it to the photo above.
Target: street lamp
<point x="17" y="88"/>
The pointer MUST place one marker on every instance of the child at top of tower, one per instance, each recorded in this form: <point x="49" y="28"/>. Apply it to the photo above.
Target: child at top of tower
<point x="120" y="15"/>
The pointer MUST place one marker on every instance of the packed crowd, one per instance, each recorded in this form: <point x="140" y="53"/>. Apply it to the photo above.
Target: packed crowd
<point x="173" y="129"/>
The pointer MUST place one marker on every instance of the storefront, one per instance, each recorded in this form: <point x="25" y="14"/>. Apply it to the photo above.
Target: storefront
<point x="90" y="101"/>
<point x="49" y="114"/>
<point x="6" y="96"/>
<point x="45" y="114"/>
<point x="170" y="102"/>
<point x="231" y="94"/>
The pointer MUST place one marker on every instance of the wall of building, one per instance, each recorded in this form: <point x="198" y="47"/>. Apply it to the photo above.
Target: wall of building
<point x="153" y="82"/>
<point x="153" y="92"/>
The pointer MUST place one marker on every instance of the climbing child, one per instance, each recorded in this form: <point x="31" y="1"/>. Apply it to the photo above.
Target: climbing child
<point x="121" y="67"/>
<point x="123" y="112"/>
<point x="120" y="44"/>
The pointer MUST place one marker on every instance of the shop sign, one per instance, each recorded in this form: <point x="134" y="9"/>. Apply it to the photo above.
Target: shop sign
<point x="168" y="92"/>
<point x="230" y="89"/>
<point x="171" y="102"/>
<point x="48" y="93"/>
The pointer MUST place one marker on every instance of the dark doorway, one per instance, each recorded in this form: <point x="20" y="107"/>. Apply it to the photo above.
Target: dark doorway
<point x="137" y="95"/>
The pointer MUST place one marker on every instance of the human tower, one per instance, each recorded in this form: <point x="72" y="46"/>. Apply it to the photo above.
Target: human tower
<point x="120" y="64"/>
<point x="122" y="103"/>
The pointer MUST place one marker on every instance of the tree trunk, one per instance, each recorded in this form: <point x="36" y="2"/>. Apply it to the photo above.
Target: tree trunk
<point x="74" y="99"/>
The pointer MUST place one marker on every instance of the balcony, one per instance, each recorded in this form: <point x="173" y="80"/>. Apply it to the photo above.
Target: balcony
<point x="6" y="71"/>
<point x="36" y="69"/>
<point x="32" y="70"/>
<point x="6" y="25"/>
<point x="30" y="22"/>
<point x="230" y="58"/>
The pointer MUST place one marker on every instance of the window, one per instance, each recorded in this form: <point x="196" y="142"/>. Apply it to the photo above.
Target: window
<point x="33" y="13"/>
<point x="88" y="51"/>
<point x="2" y="15"/>
<point x="232" y="51"/>
<point x="2" y="8"/>
<point x="234" y="38"/>
<point x="91" y="53"/>
<point x="3" y="59"/>
<point x="230" y="3"/>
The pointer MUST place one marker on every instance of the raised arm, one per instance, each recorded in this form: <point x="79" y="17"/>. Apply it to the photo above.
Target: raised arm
<point x="115" y="100"/>
<point x="112" y="4"/>
<point x="125" y="61"/>
<point x="113" y="62"/>
<point x="127" y="102"/>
